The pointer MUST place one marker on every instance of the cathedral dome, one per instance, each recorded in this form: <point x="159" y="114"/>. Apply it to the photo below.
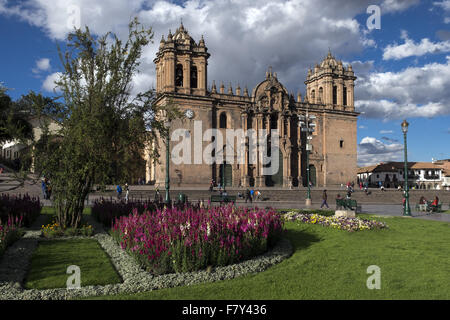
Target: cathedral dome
<point x="329" y="62"/>
<point x="182" y="36"/>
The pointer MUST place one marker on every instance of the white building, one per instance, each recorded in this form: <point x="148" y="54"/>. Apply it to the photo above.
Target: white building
<point x="421" y="175"/>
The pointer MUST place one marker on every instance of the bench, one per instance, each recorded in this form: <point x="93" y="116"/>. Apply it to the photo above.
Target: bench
<point x="347" y="204"/>
<point x="219" y="198"/>
<point x="421" y="206"/>
<point x="432" y="208"/>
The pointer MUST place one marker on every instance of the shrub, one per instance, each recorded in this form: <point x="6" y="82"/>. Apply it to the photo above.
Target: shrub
<point x="106" y="211"/>
<point x="189" y="239"/>
<point x="341" y="223"/>
<point x="10" y="232"/>
<point x="24" y="207"/>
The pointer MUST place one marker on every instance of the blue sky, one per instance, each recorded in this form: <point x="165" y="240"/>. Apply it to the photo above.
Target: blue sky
<point x="403" y="68"/>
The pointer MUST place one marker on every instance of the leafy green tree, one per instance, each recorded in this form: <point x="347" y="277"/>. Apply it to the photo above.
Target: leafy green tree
<point x="13" y="120"/>
<point x="103" y="129"/>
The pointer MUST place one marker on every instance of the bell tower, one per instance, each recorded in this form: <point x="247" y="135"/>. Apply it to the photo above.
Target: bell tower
<point x="332" y="84"/>
<point x="182" y="64"/>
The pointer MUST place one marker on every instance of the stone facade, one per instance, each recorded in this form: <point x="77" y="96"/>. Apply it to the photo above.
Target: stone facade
<point x="181" y="70"/>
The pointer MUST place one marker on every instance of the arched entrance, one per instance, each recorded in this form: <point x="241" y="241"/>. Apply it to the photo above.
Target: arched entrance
<point x="277" y="178"/>
<point x="228" y="174"/>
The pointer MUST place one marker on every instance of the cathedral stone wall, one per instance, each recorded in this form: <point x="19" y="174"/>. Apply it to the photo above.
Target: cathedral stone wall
<point x="181" y="68"/>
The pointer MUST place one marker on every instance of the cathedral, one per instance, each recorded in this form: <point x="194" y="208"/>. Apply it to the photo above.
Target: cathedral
<point x="182" y="79"/>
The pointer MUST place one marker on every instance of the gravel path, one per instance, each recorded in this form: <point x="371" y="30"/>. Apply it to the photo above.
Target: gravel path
<point x="16" y="261"/>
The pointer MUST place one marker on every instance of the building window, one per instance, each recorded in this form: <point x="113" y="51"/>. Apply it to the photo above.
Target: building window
<point x="320" y="95"/>
<point x="223" y="120"/>
<point x="334" y="95"/>
<point x="194" y="77"/>
<point x="344" y="93"/>
<point x="313" y="96"/>
<point x="179" y="76"/>
<point x="341" y="143"/>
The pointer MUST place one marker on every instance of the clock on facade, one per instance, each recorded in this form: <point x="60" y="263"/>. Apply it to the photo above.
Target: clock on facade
<point x="189" y="114"/>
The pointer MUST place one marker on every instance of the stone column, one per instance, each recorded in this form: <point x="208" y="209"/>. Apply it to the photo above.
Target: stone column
<point x="187" y="75"/>
<point x="245" y="179"/>
<point x="340" y="95"/>
<point x="169" y="81"/>
<point x="259" y="177"/>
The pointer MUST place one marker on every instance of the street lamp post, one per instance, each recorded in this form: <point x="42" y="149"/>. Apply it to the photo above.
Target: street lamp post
<point x="167" y="125"/>
<point x="307" y="125"/>
<point x="406" y="209"/>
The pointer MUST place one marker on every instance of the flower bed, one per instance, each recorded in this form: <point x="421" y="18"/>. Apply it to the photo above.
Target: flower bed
<point x="106" y="211"/>
<point x="189" y="239"/>
<point x="24" y="207"/>
<point x="54" y="230"/>
<point x="341" y="223"/>
<point x="9" y="232"/>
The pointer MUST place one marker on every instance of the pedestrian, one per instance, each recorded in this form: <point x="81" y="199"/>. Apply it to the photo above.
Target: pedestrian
<point x="211" y="186"/>
<point x="248" y="196"/>
<point x="252" y="194"/>
<point x="119" y="191"/>
<point x="157" y="195"/>
<point x="127" y="192"/>
<point x="257" y="195"/>
<point x="349" y="194"/>
<point x="49" y="190"/>
<point x="44" y="188"/>
<point x="324" y="198"/>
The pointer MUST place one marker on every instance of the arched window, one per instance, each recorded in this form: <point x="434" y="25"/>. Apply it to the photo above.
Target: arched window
<point x="334" y="95"/>
<point x="194" y="77"/>
<point x="179" y="75"/>
<point x="223" y="120"/>
<point x="313" y="96"/>
<point x="320" y="95"/>
<point x="344" y="93"/>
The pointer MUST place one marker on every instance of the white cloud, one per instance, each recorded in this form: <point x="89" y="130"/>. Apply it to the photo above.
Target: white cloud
<point x="42" y="65"/>
<point x="410" y="48"/>
<point x="362" y="127"/>
<point x="412" y="92"/>
<point x="386" y="131"/>
<point x="243" y="37"/>
<point x="397" y="5"/>
<point x="372" y="151"/>
<point x="49" y="82"/>
<point x="445" y="5"/>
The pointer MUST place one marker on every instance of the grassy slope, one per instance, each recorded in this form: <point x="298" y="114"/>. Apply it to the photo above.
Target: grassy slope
<point x="51" y="259"/>
<point x="332" y="264"/>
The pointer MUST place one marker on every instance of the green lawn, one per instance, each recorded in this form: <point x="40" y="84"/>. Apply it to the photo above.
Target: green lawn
<point x="413" y="256"/>
<point x="52" y="258"/>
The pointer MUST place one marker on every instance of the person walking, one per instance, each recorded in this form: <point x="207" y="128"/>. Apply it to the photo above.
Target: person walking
<point x="248" y="196"/>
<point x="127" y="192"/>
<point x="324" y="198"/>
<point x="119" y="192"/>
<point x="44" y="188"/>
